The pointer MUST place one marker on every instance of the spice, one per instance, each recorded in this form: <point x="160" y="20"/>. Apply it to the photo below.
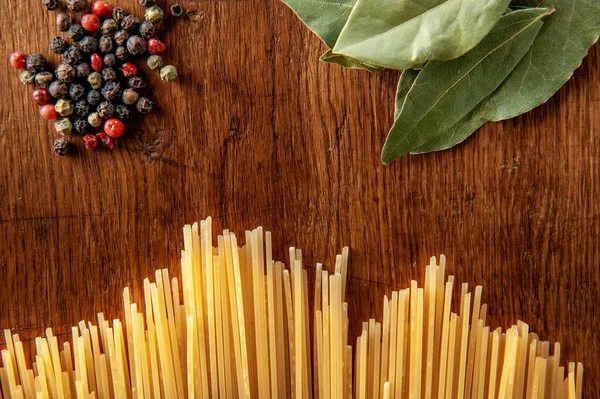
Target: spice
<point x="94" y="119"/>
<point x="63" y="126"/>
<point x="146" y="3"/>
<point x="76" y="91"/>
<point x="90" y="141"/>
<point x="177" y="10"/>
<point x="36" y="62"/>
<point x="65" y="72"/>
<point x="106" y="140"/>
<point x="137" y="82"/>
<point x="27" y="77"/>
<point x="130" y="23"/>
<point x="90" y="22"/>
<point x="64" y="107"/>
<point x="48" y="112"/>
<point x="106" y="110"/>
<point x="123" y="112"/>
<point x="73" y="55"/>
<point x="82" y="109"/>
<point x="58" y="89"/>
<point x="106" y="44"/>
<point x="61" y="146"/>
<point x="109" y="74"/>
<point x="144" y="105"/>
<point x="114" y="128"/>
<point x="155" y="62"/>
<point x="18" y="60"/>
<point x="136" y="45"/>
<point x="58" y="45"/>
<point x="109" y="27"/>
<point x="63" y="21"/>
<point x="51" y="5"/>
<point x="129" y="69"/>
<point x="155" y="46"/>
<point x="97" y="61"/>
<point x="102" y="9"/>
<point x="80" y="125"/>
<point x="40" y="96"/>
<point x="118" y="14"/>
<point x="43" y="79"/>
<point x="121" y="37"/>
<point x="89" y="44"/>
<point x="75" y="32"/>
<point x="83" y="70"/>
<point x="154" y="14"/>
<point x="94" y="97"/>
<point x="76" y="5"/>
<point x="130" y="96"/>
<point x="95" y="80"/>
<point x="168" y="73"/>
<point x="111" y="90"/>
<point x="122" y="53"/>
<point x="110" y="60"/>
<point x="147" y="30"/>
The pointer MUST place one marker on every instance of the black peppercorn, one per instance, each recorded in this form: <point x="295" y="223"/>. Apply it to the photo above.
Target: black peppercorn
<point x="89" y="44"/>
<point x="110" y="60"/>
<point x="75" y="32"/>
<point x="73" y="55"/>
<point x="109" y="74"/>
<point x="76" y="91"/>
<point x="130" y="23"/>
<point x="118" y="14"/>
<point x="121" y="53"/>
<point x="80" y="125"/>
<point x="147" y="30"/>
<point x="51" y="5"/>
<point x="58" y="89"/>
<point x="76" y="5"/>
<point x="111" y="90"/>
<point x="177" y="10"/>
<point x="65" y="72"/>
<point x="136" y="45"/>
<point x="58" y="45"/>
<point x="63" y="21"/>
<point x="146" y="3"/>
<point x="136" y="82"/>
<point x="36" y="63"/>
<point x="144" y="105"/>
<point x="106" y="110"/>
<point x="83" y="70"/>
<point x="106" y="44"/>
<point x="82" y="109"/>
<point x="94" y="97"/>
<point x="109" y="26"/>
<point x="123" y="112"/>
<point x="61" y="146"/>
<point x="121" y="37"/>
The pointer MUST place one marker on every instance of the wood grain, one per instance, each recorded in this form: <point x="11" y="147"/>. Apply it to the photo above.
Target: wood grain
<point x="257" y="131"/>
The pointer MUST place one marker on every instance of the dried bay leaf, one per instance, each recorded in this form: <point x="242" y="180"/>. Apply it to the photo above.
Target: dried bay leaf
<point x="403" y="33"/>
<point x="444" y="92"/>
<point x="330" y="58"/>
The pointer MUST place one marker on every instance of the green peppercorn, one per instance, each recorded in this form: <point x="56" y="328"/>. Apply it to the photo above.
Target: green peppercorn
<point x="89" y="44"/>
<point x="76" y="5"/>
<point x="83" y="70"/>
<point x="109" y="26"/>
<point x="146" y="3"/>
<point x="43" y="79"/>
<point x="155" y="62"/>
<point x="177" y="11"/>
<point x="61" y="146"/>
<point x="36" y="62"/>
<point x="121" y="53"/>
<point x="51" y="5"/>
<point x="95" y="80"/>
<point x="121" y="37"/>
<point x="76" y="91"/>
<point x="154" y="14"/>
<point x="27" y="77"/>
<point x="75" y="32"/>
<point x="63" y="126"/>
<point x="65" y="72"/>
<point x="64" y="107"/>
<point x="94" y="120"/>
<point x="144" y="105"/>
<point x="106" y="44"/>
<point x="130" y="96"/>
<point x="94" y="97"/>
<point x="136" y="45"/>
<point x="63" y="21"/>
<point x="58" y="89"/>
<point x="106" y="110"/>
<point x="130" y="23"/>
<point x="58" y="45"/>
<point x="74" y="55"/>
<point x="168" y="73"/>
<point x="147" y="30"/>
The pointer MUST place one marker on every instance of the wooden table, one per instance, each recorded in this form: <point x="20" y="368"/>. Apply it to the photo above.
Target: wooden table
<point x="258" y="132"/>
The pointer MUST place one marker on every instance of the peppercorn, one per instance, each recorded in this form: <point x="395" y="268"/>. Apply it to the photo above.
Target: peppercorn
<point x="40" y="96"/>
<point x="106" y="140"/>
<point x="27" y="77"/>
<point x="80" y="125"/>
<point x="43" y="79"/>
<point x="123" y="112"/>
<point x="102" y="9"/>
<point x="136" y="45"/>
<point x="137" y="82"/>
<point x="147" y="30"/>
<point x="64" y="107"/>
<point x="118" y="14"/>
<point x="83" y="70"/>
<point x="111" y="90"/>
<point x="58" y="45"/>
<point x="94" y="119"/>
<point x="63" y="126"/>
<point x="36" y="62"/>
<point x="65" y="72"/>
<point x="155" y="61"/>
<point x="58" y="89"/>
<point x="109" y="74"/>
<point x="128" y="69"/>
<point x="168" y="73"/>
<point x="114" y="128"/>
<point x="177" y="10"/>
<point x="95" y="80"/>
<point x="106" y="110"/>
<point x="96" y="60"/>
<point x="90" y="22"/>
<point x="144" y="105"/>
<point x="82" y="109"/>
<point x="18" y="60"/>
<point x="110" y="60"/>
<point x="48" y="112"/>
<point x="90" y="141"/>
<point x="130" y="23"/>
<point x="155" y="46"/>
<point x="76" y="5"/>
<point x="121" y="37"/>
<point x="94" y="97"/>
<point x="63" y="21"/>
<point x="154" y="14"/>
<point x="61" y="146"/>
<point x="51" y="5"/>
<point x="75" y="32"/>
<point x="73" y="55"/>
<point x="122" y="53"/>
<point x="129" y="97"/>
<point x="106" y="44"/>
<point x="109" y="27"/>
<point x="146" y="3"/>
<point x="89" y="44"/>
<point x="76" y="91"/>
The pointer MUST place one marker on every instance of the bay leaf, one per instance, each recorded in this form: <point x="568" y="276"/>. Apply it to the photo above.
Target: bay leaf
<point x="330" y="58"/>
<point x="444" y="92"/>
<point x="403" y="33"/>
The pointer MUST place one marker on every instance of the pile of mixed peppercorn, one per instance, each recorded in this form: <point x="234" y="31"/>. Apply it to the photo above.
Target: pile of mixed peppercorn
<point x="96" y="87"/>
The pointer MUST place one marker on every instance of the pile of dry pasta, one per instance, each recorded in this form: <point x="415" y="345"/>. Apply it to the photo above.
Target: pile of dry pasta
<point x="244" y="330"/>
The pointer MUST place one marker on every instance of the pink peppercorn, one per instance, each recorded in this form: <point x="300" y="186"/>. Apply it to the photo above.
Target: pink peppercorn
<point x="90" y="141"/>
<point x="40" y="96"/>
<point x="96" y="60"/>
<point x="128" y="69"/>
<point x="18" y="60"/>
<point x="90" y="22"/>
<point x="114" y="128"/>
<point x="101" y="9"/>
<point x="155" y="46"/>
<point x="48" y="112"/>
<point x="106" y="140"/>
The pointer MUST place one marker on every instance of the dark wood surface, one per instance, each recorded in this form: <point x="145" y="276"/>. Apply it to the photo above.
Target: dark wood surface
<point x="258" y="132"/>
